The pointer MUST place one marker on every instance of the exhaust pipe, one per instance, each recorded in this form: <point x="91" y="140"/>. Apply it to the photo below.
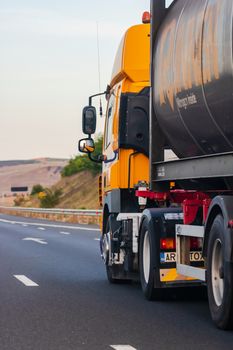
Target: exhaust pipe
<point x="158" y="11"/>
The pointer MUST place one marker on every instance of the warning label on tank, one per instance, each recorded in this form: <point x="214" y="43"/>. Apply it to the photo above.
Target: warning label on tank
<point x="187" y="101"/>
<point x="170" y="257"/>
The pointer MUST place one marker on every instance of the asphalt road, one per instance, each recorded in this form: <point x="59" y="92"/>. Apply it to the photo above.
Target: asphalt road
<point x="54" y="295"/>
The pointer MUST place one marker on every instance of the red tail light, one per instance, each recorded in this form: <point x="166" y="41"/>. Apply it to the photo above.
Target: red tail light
<point x="195" y="243"/>
<point x="167" y="244"/>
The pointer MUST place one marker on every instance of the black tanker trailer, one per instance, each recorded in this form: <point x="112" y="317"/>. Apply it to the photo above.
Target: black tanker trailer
<point x="192" y="94"/>
<point x="193" y="77"/>
<point x="192" y="113"/>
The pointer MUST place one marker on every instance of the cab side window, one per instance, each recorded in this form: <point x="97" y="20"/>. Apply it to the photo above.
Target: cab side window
<point x="109" y="121"/>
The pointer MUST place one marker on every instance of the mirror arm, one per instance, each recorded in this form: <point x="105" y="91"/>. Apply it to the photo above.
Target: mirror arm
<point x="112" y="159"/>
<point x="99" y="159"/>
<point x="91" y="97"/>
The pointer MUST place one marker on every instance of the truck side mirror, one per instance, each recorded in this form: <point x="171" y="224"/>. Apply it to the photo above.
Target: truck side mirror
<point x="89" y="120"/>
<point x="86" y="145"/>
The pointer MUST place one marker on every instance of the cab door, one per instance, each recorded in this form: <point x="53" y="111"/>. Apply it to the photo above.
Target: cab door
<point x="110" y="143"/>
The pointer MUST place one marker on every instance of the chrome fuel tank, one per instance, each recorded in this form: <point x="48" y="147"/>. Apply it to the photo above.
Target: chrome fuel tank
<point x="192" y="77"/>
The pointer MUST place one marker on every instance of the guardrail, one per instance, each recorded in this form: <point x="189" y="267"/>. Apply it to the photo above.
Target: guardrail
<point x="56" y="210"/>
<point x="86" y="216"/>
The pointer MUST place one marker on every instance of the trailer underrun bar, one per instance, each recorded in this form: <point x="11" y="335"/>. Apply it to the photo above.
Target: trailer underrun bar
<point x="183" y="234"/>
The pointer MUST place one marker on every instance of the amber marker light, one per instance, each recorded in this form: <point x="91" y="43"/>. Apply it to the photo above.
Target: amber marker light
<point x="146" y="17"/>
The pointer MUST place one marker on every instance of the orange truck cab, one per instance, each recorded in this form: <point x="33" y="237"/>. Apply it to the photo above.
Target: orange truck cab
<point x="126" y="134"/>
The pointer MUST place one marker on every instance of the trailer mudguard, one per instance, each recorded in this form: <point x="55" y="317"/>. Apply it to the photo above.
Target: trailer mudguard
<point x="161" y="221"/>
<point x="221" y="205"/>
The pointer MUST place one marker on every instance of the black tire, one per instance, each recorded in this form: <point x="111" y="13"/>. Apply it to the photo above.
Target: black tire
<point x="109" y="273"/>
<point x="113" y="271"/>
<point x="219" y="277"/>
<point x="147" y="262"/>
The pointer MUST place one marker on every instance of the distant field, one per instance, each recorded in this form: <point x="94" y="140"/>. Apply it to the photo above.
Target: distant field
<point x="4" y="163"/>
<point x="17" y="173"/>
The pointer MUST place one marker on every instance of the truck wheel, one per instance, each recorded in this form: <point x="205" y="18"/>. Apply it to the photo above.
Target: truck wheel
<point x="147" y="262"/>
<point x="219" y="277"/>
<point x="111" y="271"/>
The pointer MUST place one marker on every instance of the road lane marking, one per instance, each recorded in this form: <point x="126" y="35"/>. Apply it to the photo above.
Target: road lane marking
<point x="122" y="347"/>
<point x="41" y="228"/>
<point x="96" y="239"/>
<point x="37" y="240"/>
<point x="51" y="225"/>
<point x="64" y="233"/>
<point x="26" y="281"/>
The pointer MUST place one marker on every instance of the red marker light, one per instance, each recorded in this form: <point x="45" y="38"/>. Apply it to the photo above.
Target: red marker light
<point x="146" y="17"/>
<point x="195" y="243"/>
<point x="167" y="244"/>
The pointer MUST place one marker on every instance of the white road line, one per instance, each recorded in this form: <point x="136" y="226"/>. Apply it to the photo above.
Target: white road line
<point x="37" y="240"/>
<point x="41" y="228"/>
<point x="51" y="225"/>
<point x="64" y="233"/>
<point x="26" y="281"/>
<point x="122" y="347"/>
<point x="96" y="239"/>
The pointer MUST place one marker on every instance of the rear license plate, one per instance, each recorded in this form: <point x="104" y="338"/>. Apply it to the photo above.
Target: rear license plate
<point x="170" y="257"/>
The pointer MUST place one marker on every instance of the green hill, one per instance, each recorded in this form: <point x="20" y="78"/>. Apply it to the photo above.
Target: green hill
<point x="79" y="191"/>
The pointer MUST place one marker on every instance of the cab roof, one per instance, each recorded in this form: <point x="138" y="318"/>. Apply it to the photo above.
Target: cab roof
<point x="133" y="56"/>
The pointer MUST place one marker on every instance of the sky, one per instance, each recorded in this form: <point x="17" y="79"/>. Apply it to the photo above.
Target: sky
<point x="49" y="67"/>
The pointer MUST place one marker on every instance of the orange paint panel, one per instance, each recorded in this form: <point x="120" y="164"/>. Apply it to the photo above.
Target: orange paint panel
<point x="133" y="56"/>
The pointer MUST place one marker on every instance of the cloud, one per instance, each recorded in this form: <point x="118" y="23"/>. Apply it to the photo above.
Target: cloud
<point x="47" y="23"/>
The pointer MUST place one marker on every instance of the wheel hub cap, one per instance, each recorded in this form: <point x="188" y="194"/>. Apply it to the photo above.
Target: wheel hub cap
<point x="217" y="272"/>
<point x="146" y="257"/>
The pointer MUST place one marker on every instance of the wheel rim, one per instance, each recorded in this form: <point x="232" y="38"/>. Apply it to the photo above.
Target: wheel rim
<point x="217" y="272"/>
<point x="146" y="257"/>
<point x="105" y="249"/>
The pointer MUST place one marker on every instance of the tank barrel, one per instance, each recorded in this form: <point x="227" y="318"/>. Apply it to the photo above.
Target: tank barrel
<point x="192" y="75"/>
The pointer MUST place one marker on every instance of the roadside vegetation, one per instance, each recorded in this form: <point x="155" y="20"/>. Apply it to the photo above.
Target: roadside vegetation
<point x="37" y="189"/>
<point x="39" y="197"/>
<point x="49" y="198"/>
